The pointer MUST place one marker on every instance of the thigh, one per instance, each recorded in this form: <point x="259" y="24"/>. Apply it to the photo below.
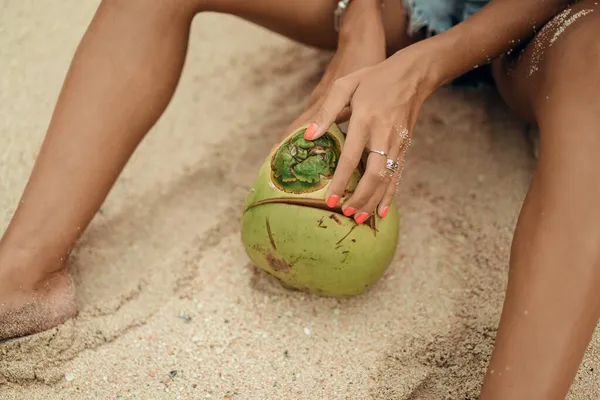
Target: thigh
<point x="554" y="272"/>
<point x="309" y="21"/>
<point x="559" y="65"/>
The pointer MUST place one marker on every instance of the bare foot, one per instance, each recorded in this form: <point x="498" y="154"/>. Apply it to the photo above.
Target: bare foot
<point x="24" y="311"/>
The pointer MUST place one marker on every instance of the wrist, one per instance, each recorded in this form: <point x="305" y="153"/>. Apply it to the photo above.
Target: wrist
<point x="361" y="17"/>
<point x="423" y="64"/>
<point x="436" y="58"/>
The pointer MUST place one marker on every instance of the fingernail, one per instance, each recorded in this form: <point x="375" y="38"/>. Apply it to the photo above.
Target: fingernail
<point x="332" y="201"/>
<point x="361" y="217"/>
<point x="384" y="212"/>
<point x="310" y="131"/>
<point x="349" y="211"/>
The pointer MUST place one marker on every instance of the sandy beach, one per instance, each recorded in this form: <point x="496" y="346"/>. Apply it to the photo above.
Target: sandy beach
<point x="170" y="307"/>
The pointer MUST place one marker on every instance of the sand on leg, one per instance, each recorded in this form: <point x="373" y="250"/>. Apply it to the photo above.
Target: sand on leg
<point x="121" y="79"/>
<point x="552" y="301"/>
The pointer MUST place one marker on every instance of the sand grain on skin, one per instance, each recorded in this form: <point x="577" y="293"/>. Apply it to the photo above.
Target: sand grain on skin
<point x="551" y="32"/>
<point x="51" y="304"/>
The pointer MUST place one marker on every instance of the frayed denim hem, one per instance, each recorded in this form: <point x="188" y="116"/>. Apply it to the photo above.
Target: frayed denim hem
<point x="437" y="16"/>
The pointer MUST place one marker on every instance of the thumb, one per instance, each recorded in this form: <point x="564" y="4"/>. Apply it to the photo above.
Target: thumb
<point x="301" y="120"/>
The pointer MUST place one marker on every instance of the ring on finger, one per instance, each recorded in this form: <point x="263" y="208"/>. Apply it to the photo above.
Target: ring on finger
<point x="381" y="153"/>
<point x="391" y="165"/>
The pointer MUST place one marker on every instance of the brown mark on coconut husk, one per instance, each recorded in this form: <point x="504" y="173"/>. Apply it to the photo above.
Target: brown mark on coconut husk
<point x="346" y="235"/>
<point x="270" y="235"/>
<point x="278" y="280"/>
<point x="278" y="264"/>
<point x="313" y="203"/>
<point x="321" y="221"/>
<point x="371" y="223"/>
<point x="346" y="254"/>
<point x="303" y="202"/>
<point x="335" y="218"/>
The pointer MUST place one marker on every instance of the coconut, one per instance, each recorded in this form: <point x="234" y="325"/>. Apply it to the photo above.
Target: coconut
<point x="289" y="232"/>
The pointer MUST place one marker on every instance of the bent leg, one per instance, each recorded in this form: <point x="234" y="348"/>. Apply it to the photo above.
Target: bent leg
<point x="121" y="79"/>
<point x="552" y="301"/>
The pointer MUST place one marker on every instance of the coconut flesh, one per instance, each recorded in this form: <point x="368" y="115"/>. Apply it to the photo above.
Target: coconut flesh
<point x="289" y="232"/>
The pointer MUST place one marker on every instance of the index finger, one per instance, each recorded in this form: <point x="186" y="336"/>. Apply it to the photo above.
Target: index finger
<point x="351" y="155"/>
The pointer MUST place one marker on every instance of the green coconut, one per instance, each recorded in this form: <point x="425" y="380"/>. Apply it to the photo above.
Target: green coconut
<point x="289" y="232"/>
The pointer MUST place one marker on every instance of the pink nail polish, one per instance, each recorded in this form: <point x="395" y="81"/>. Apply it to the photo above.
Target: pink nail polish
<point x="310" y="132"/>
<point x="349" y="211"/>
<point x="332" y="201"/>
<point x="384" y="212"/>
<point x="361" y="217"/>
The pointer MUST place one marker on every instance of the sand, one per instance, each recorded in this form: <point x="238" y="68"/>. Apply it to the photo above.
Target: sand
<point x="170" y="308"/>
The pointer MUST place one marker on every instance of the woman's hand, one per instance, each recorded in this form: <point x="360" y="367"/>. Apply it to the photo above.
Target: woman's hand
<point x="361" y="44"/>
<point x="385" y="101"/>
<point x="350" y="57"/>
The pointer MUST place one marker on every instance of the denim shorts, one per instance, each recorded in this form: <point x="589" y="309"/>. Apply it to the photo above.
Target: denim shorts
<point x="436" y="16"/>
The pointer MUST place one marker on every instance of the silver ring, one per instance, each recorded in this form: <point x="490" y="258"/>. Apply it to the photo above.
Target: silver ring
<point x="381" y="153"/>
<point x="391" y="165"/>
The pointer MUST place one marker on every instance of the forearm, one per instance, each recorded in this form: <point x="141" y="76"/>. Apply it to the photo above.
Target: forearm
<point x="493" y="31"/>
